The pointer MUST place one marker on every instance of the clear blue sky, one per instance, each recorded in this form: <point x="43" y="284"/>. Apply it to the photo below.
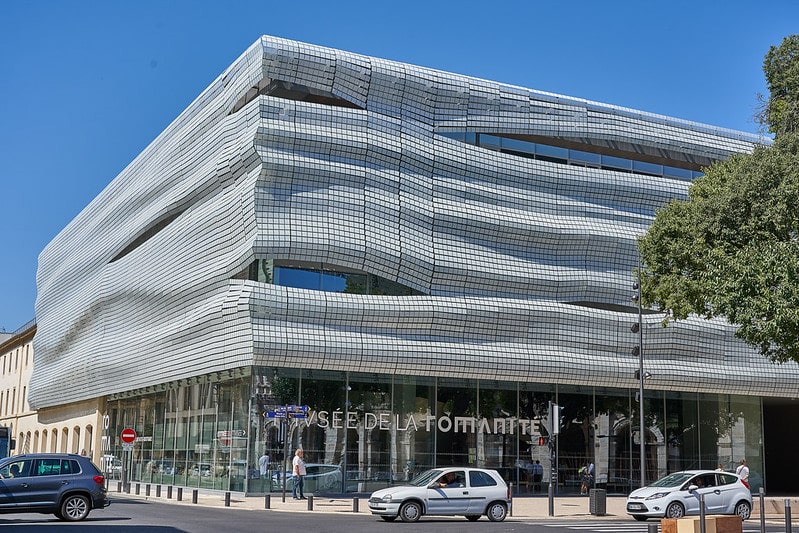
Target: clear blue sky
<point x="86" y="85"/>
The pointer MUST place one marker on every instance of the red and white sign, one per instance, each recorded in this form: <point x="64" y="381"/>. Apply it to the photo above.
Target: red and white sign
<point x="128" y="435"/>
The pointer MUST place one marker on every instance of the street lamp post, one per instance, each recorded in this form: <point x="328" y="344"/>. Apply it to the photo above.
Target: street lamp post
<point x="639" y="351"/>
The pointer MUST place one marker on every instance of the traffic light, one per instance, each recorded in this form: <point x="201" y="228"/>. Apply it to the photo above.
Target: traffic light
<point x="543" y="441"/>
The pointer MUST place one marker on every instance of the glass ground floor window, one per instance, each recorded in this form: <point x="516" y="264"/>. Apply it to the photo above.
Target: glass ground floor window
<point x="361" y="431"/>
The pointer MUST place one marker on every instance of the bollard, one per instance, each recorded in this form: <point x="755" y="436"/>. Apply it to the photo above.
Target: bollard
<point x="702" y="514"/>
<point x="227" y="499"/>
<point x="268" y="501"/>
<point x="138" y="489"/>
<point x="355" y="503"/>
<point x="158" y="491"/>
<point x="180" y="494"/>
<point x="510" y="505"/>
<point x="310" y="502"/>
<point x="169" y="492"/>
<point x="127" y="488"/>
<point x="194" y="496"/>
<point x="119" y="486"/>
<point x="787" y="515"/>
<point x="147" y="489"/>
<point x="762" y="510"/>
<point x="651" y="528"/>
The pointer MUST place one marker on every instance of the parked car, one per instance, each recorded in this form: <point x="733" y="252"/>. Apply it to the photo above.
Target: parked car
<point x="677" y="495"/>
<point x="471" y="492"/>
<point x="66" y="485"/>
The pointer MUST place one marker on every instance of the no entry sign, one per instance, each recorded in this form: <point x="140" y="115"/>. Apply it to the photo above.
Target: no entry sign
<point x="128" y="435"/>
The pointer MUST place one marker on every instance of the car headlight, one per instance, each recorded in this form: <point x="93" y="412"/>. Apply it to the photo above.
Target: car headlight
<point x="657" y="495"/>
<point x="387" y="498"/>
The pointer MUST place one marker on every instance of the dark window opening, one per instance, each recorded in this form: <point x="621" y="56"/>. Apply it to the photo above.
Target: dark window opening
<point x="291" y="91"/>
<point x="322" y="277"/>
<point x="146" y="235"/>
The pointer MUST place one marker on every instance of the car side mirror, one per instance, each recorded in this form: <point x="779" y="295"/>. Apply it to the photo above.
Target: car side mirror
<point x="692" y="488"/>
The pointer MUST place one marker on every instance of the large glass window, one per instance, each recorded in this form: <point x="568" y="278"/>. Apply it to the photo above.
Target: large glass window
<point x="328" y="278"/>
<point x="364" y="431"/>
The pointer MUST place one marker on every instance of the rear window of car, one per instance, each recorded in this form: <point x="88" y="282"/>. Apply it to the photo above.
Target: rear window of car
<point x="727" y="479"/>
<point x="481" y="479"/>
<point x="55" y="467"/>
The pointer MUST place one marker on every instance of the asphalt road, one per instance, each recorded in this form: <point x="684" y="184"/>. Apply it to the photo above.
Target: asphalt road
<point x="137" y="516"/>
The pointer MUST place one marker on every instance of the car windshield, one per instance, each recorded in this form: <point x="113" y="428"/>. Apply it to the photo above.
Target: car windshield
<point x="672" y="480"/>
<point x="426" y="477"/>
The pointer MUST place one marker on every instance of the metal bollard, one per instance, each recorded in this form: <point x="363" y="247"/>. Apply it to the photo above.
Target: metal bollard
<point x="158" y="491"/>
<point x="310" y="502"/>
<point x="702" y="525"/>
<point x="762" y="510"/>
<point x="651" y="528"/>
<point x="138" y="489"/>
<point x="169" y="492"/>
<point x="268" y="501"/>
<point x="227" y="499"/>
<point x="180" y="494"/>
<point x="355" y="503"/>
<point x="194" y="496"/>
<point x="510" y="506"/>
<point x="787" y="515"/>
<point x="119" y="486"/>
<point x="127" y="488"/>
<point x="147" y="489"/>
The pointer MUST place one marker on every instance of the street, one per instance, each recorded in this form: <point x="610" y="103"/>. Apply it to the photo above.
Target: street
<point x="137" y="516"/>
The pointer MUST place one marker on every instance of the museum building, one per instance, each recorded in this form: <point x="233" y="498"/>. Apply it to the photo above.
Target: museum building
<point x="394" y="268"/>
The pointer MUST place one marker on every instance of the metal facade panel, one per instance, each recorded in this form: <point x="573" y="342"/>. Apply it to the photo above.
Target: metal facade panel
<point x="503" y="246"/>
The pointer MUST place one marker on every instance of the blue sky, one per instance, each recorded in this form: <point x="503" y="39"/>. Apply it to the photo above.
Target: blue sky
<point x="86" y="85"/>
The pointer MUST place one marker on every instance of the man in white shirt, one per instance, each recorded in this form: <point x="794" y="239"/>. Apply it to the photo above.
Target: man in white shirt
<point x="743" y="472"/>
<point x="263" y="465"/>
<point x="298" y="471"/>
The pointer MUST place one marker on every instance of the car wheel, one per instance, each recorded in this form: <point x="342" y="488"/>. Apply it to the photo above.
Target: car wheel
<point x="75" y="507"/>
<point x="389" y="518"/>
<point x="497" y="512"/>
<point x="640" y="518"/>
<point x="472" y="517"/>
<point x="410" y="511"/>
<point x="675" y="510"/>
<point x="743" y="509"/>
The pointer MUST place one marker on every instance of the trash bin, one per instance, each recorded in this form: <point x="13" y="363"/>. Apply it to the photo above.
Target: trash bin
<point x="597" y="501"/>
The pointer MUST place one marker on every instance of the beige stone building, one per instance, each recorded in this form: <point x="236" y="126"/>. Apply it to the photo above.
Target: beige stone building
<point x="73" y="428"/>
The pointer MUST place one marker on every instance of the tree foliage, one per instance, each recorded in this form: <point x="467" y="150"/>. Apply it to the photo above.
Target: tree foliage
<point x="732" y="249"/>
<point x="781" y="68"/>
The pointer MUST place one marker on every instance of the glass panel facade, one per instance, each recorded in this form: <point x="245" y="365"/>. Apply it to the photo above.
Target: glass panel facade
<point x="365" y="431"/>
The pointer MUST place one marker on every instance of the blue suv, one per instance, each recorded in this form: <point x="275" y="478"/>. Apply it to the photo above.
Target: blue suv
<point x="66" y="485"/>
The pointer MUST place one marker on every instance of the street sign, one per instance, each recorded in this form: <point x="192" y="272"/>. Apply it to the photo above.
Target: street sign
<point x="288" y="411"/>
<point x="128" y="435"/>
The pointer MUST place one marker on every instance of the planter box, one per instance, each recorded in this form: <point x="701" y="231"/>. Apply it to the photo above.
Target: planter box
<point x="713" y="524"/>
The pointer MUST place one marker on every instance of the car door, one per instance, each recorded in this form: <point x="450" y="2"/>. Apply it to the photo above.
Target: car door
<point x="450" y="499"/>
<point x="15" y="487"/>
<point x="482" y="488"/>
<point x="707" y="487"/>
<point x="48" y="480"/>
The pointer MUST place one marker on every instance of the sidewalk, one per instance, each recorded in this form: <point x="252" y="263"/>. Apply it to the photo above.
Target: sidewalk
<point x="525" y="507"/>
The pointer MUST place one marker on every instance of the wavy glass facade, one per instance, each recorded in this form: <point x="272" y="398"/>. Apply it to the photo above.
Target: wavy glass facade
<point x="317" y="216"/>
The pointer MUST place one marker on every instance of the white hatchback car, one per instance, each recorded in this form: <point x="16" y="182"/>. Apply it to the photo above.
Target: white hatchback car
<point x="470" y="492"/>
<point x="677" y="495"/>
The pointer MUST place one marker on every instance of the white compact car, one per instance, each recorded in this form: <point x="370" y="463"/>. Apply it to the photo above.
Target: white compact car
<point x="677" y="495"/>
<point x="470" y="492"/>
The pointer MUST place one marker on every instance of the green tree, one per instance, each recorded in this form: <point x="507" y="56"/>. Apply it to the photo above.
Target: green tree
<point x="732" y="249"/>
